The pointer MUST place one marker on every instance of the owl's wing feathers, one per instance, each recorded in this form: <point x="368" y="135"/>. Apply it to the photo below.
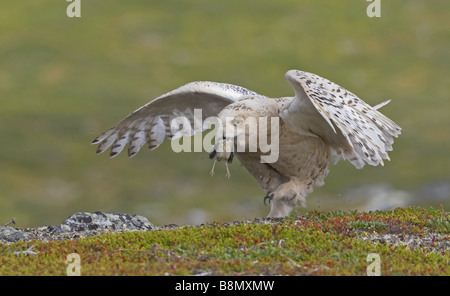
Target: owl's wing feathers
<point x="355" y="130"/>
<point x="152" y="122"/>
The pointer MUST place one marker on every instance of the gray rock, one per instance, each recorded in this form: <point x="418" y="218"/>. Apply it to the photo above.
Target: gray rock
<point x="378" y="197"/>
<point x="436" y="191"/>
<point x="84" y="221"/>
<point x="10" y="234"/>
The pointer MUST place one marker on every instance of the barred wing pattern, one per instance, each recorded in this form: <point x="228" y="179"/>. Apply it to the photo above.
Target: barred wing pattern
<point x="355" y="130"/>
<point x="151" y="123"/>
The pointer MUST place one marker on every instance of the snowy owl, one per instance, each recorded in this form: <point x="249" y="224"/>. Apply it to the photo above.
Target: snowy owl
<point x="321" y="123"/>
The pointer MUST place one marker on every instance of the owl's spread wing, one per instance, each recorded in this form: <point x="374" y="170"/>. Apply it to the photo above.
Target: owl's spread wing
<point x="355" y="130"/>
<point x="152" y="122"/>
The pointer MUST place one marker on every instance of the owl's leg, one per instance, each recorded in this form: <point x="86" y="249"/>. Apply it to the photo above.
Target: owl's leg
<point x="212" y="173"/>
<point x="279" y="208"/>
<point x="284" y="198"/>
<point x="228" y="175"/>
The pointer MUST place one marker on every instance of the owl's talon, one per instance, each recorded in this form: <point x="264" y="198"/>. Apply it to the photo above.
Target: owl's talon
<point x="212" y="173"/>
<point x="228" y="175"/>
<point x="269" y="197"/>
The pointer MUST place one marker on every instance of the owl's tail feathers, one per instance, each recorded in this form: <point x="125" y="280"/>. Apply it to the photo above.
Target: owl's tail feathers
<point x="376" y="107"/>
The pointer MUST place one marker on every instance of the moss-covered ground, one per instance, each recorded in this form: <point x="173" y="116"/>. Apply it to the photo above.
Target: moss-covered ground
<point x="409" y="241"/>
<point x="63" y="81"/>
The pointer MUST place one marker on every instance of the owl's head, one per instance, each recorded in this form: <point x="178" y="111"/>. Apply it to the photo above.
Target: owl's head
<point x="242" y="118"/>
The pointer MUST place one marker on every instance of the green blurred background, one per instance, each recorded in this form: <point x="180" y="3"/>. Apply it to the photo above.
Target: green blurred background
<point x="63" y="81"/>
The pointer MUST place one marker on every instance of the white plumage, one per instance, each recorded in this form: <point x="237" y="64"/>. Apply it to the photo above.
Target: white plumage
<point x="321" y="121"/>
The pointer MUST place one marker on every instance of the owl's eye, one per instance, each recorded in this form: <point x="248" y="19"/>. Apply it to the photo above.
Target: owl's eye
<point x="237" y="121"/>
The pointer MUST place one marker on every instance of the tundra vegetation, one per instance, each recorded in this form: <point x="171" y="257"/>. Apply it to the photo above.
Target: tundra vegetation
<point x="409" y="241"/>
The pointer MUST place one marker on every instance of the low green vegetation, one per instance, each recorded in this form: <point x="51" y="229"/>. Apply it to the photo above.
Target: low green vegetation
<point x="409" y="241"/>
<point x="63" y="81"/>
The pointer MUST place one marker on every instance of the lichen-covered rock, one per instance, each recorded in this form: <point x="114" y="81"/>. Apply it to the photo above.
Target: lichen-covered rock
<point x="84" y="221"/>
<point x="10" y="234"/>
<point x="79" y="225"/>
